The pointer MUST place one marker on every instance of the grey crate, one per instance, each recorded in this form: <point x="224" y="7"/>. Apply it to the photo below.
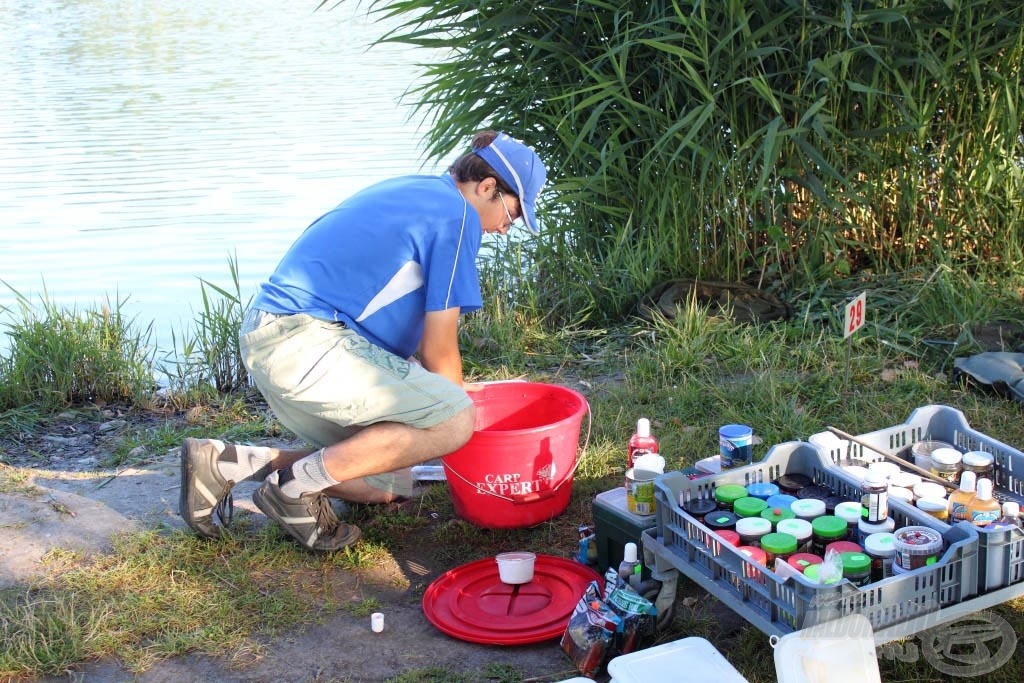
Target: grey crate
<point x="1001" y="551"/>
<point x="778" y="605"/>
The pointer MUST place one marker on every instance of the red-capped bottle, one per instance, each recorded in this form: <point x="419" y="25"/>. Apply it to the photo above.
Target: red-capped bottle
<point x="641" y="442"/>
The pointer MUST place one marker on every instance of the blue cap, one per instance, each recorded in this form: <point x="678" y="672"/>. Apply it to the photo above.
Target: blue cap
<point x="520" y="167"/>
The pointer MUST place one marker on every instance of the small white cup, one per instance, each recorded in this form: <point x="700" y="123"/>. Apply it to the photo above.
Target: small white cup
<point x="515" y="567"/>
<point x="377" y="622"/>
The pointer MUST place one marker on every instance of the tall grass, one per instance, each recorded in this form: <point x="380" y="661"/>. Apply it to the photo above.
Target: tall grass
<point x="776" y="141"/>
<point x="61" y="356"/>
<point x="207" y="356"/>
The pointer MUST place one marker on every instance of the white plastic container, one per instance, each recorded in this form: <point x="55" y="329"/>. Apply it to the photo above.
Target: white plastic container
<point x="839" y="651"/>
<point x="688" y="659"/>
<point x="516" y="567"/>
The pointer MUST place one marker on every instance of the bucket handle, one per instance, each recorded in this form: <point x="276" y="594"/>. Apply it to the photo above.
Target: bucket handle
<point x="536" y="496"/>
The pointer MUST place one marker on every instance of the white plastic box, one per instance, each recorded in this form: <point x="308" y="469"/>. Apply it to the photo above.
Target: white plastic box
<point x="694" y="660"/>
<point x="840" y="651"/>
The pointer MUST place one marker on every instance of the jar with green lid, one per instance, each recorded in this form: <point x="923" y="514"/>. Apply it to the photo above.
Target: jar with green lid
<point x="777" y="546"/>
<point x="749" y="506"/>
<point x="826" y="529"/>
<point x="813" y="572"/>
<point x="727" y="494"/>
<point x="776" y="515"/>
<point x="752" y="529"/>
<point x="856" y="568"/>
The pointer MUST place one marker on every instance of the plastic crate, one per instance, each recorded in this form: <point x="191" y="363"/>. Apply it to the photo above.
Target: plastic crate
<point x="777" y="605"/>
<point x="1000" y="552"/>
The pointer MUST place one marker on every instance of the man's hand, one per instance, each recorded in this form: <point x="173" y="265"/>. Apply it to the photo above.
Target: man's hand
<point x="439" y="350"/>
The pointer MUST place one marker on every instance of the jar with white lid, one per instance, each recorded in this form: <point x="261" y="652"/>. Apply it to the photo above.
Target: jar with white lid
<point x="946" y="464"/>
<point x="887" y="469"/>
<point x="808" y="508"/>
<point x="900" y="493"/>
<point x="929" y="489"/>
<point x="936" y="507"/>
<point x="800" y="529"/>
<point x="751" y="529"/>
<point x="906" y="480"/>
<point x="981" y="463"/>
<point x="850" y="512"/>
<point x="881" y="547"/>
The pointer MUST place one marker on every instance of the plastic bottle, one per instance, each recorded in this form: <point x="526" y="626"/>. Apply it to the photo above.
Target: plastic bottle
<point x="1010" y="519"/>
<point x="630" y="567"/>
<point x="961" y="498"/>
<point x="874" y="497"/>
<point x="984" y="509"/>
<point x="641" y="441"/>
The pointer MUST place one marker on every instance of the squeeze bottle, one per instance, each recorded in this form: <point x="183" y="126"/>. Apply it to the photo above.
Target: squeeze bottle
<point x="642" y="441"/>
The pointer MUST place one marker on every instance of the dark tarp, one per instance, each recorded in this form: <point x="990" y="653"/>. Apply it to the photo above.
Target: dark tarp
<point x="996" y="369"/>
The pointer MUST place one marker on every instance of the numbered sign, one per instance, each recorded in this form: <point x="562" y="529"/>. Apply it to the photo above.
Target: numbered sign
<point x="854" y="315"/>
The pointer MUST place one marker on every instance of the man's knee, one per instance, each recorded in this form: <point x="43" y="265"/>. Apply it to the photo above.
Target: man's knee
<point x="461" y="427"/>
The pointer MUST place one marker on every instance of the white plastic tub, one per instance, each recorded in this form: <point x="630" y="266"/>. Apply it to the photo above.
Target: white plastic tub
<point x="694" y="660"/>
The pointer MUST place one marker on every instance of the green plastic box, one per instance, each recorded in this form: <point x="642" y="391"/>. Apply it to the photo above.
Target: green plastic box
<point x="615" y="526"/>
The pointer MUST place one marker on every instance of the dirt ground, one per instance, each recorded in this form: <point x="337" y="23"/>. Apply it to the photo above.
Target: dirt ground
<point x="79" y="505"/>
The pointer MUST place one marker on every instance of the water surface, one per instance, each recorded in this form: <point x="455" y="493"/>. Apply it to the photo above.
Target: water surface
<point x="142" y="144"/>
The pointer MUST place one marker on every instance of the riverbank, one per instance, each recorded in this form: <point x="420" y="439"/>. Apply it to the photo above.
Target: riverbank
<point x="157" y="604"/>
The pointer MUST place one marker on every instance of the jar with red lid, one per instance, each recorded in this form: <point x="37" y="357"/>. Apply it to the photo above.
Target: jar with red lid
<point x="844" y="547"/>
<point x="801" y="561"/>
<point x="718" y="540"/>
<point x="730" y="537"/>
<point x="757" y="556"/>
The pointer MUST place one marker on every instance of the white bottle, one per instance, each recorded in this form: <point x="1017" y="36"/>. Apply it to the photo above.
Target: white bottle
<point x="1010" y="518"/>
<point x="630" y="567"/>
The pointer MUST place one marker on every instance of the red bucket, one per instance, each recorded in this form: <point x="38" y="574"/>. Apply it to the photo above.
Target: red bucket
<point x="517" y="468"/>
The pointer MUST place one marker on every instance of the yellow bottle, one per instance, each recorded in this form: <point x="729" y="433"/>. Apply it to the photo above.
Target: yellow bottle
<point x="984" y="509"/>
<point x="960" y="499"/>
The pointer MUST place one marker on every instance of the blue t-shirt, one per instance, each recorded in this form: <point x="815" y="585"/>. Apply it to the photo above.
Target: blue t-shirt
<point x="381" y="260"/>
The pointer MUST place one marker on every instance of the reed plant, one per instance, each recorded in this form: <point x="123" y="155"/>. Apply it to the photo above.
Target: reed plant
<point x="775" y="141"/>
<point x="206" y="358"/>
<point x="60" y="356"/>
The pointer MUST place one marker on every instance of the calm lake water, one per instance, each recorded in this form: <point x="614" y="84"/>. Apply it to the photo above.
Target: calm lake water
<point x="143" y="143"/>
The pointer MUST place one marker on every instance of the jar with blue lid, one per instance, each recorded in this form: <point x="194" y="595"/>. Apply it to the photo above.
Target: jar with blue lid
<point x="762" y="490"/>
<point x="781" y="500"/>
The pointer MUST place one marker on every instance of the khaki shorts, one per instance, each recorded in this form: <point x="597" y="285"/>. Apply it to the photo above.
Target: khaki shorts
<point x="324" y="382"/>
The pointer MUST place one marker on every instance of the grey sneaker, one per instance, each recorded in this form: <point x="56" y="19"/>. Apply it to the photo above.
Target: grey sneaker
<point x="204" y="492"/>
<point x="309" y="519"/>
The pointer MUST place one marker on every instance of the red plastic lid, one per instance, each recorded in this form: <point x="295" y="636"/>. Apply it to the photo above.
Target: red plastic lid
<point x="471" y="603"/>
<point x="844" y="547"/>
<point x="730" y="537"/>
